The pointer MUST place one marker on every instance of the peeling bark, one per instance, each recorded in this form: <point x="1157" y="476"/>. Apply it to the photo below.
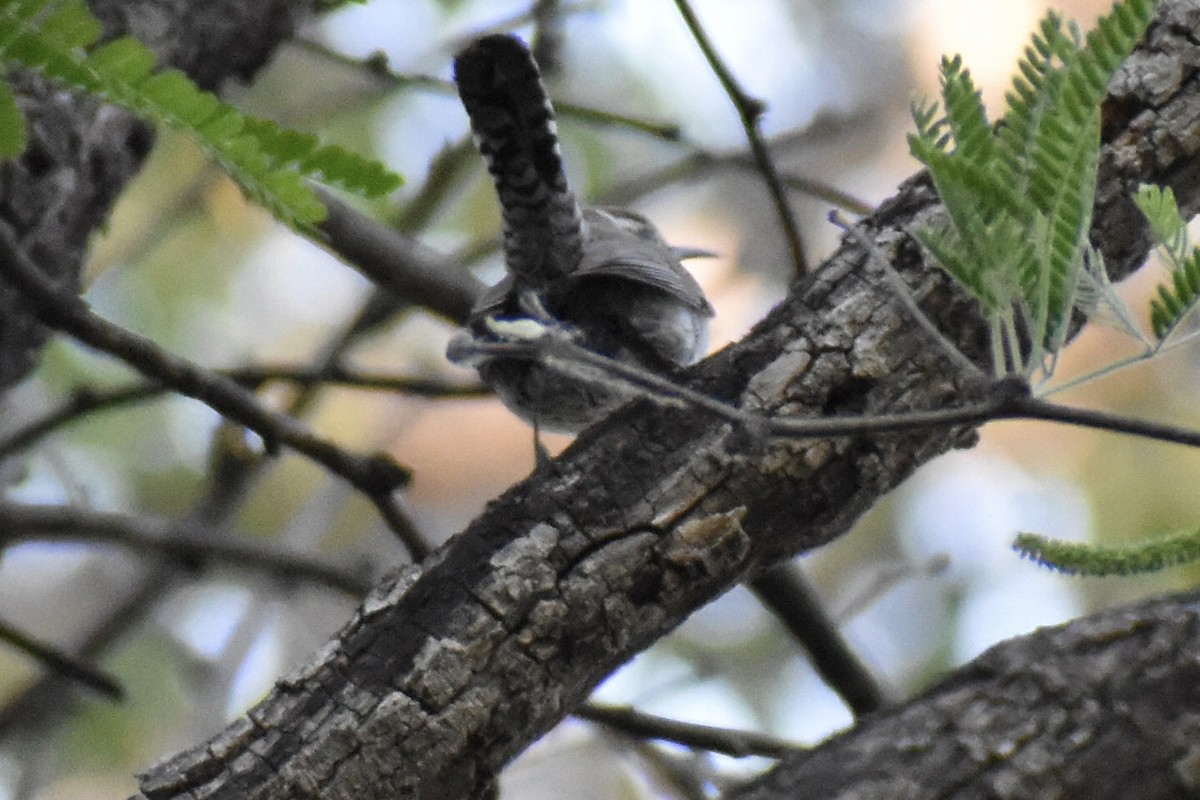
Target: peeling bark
<point x="448" y="672"/>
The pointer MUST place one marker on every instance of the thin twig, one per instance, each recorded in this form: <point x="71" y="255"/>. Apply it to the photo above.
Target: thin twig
<point x="738" y="744"/>
<point x="62" y="663"/>
<point x="697" y="159"/>
<point x="787" y="593"/>
<point x="1025" y="407"/>
<point x="86" y="400"/>
<point x="447" y="169"/>
<point x="676" y="776"/>
<point x="547" y="39"/>
<point x="530" y="14"/>
<point x="1008" y="398"/>
<point x="375" y="475"/>
<point x="44" y="701"/>
<point x="184" y="541"/>
<point x="668" y="131"/>
<point x="696" y="164"/>
<point x="254" y="375"/>
<point x="558" y="352"/>
<point x="700" y="160"/>
<point x="83" y="401"/>
<point x="750" y="110"/>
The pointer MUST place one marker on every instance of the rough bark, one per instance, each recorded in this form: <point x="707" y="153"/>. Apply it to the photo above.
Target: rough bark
<point x="1106" y="707"/>
<point x="448" y="671"/>
<point x="81" y="153"/>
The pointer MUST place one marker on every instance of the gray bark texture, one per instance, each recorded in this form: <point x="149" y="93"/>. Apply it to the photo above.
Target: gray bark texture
<point x="450" y="669"/>
<point x="1105" y="708"/>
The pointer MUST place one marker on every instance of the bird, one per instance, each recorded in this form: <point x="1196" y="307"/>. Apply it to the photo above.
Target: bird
<point x="602" y="276"/>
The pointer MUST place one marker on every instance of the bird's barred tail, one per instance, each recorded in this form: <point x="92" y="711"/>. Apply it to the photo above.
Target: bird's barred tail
<point x="514" y="129"/>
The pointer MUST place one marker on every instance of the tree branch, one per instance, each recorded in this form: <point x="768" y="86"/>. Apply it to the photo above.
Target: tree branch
<point x="61" y="663"/>
<point x="85" y="400"/>
<point x="790" y="596"/>
<point x="185" y="541"/>
<point x="1102" y="707"/>
<point x="632" y="722"/>
<point x="377" y="476"/>
<point x="81" y="153"/>
<point x="441" y="678"/>
<point x="750" y="111"/>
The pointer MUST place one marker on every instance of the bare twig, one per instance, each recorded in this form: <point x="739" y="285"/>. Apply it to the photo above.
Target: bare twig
<point x="1006" y="398"/>
<point x="697" y="160"/>
<point x="61" y="663"/>
<point x="184" y="541"/>
<point x="86" y="400"/>
<point x="377" y="476"/>
<point x="696" y="164"/>
<point x="668" y="131"/>
<point x="787" y="593"/>
<point x="446" y="171"/>
<point x="83" y="401"/>
<point x="530" y="14"/>
<point x="750" y="110"/>
<point x="44" y="700"/>
<point x="546" y="44"/>
<point x="556" y="350"/>
<point x="731" y="742"/>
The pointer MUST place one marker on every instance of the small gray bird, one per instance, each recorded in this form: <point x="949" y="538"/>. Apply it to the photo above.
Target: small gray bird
<point x="603" y="275"/>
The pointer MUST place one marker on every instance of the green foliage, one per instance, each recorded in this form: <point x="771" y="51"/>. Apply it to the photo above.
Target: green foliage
<point x="271" y="164"/>
<point x="1019" y="195"/>
<point x="12" y="125"/>
<point x="1178" y="295"/>
<point x="1078" y="558"/>
<point x="1175" y="298"/>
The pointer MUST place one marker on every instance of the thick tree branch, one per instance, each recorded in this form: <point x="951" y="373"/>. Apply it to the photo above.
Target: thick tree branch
<point x="1102" y="707"/>
<point x="444" y="676"/>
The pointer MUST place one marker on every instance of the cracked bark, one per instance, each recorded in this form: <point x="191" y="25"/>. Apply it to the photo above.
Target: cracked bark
<point x="448" y="671"/>
<point x="1106" y="707"/>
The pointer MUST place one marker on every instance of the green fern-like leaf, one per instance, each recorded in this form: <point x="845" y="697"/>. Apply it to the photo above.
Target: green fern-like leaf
<point x="271" y="164"/>
<point x="965" y="115"/>
<point x="1019" y="195"/>
<point x="1078" y="558"/>
<point x="1177" y="297"/>
<point x="1032" y="94"/>
<point x="1157" y="204"/>
<point x="1179" y="294"/>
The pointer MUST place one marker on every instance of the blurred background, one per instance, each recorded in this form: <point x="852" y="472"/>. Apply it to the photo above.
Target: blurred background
<point x="926" y="581"/>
